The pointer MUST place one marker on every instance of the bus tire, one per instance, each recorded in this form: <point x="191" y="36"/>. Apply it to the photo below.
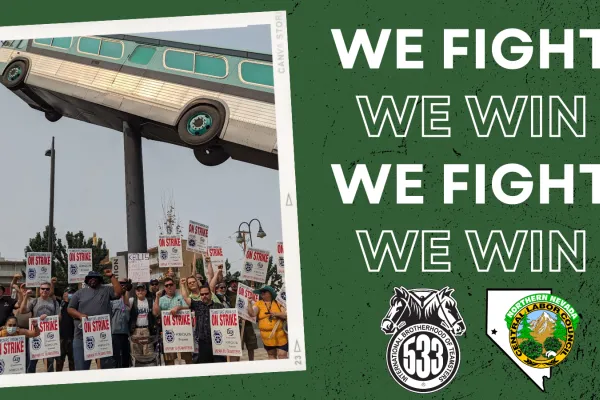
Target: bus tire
<point x="14" y="75"/>
<point x="200" y="125"/>
<point x="211" y="156"/>
<point x="53" y="116"/>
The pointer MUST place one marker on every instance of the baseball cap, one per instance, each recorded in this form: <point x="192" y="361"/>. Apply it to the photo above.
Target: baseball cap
<point x="140" y="285"/>
<point x="154" y="282"/>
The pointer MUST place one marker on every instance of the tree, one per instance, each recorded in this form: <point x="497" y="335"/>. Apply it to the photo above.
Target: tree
<point x="273" y="278"/>
<point x="552" y="344"/>
<point x="531" y="348"/>
<point x="228" y="275"/>
<point x="99" y="250"/>
<point x="200" y="266"/>
<point x="39" y="243"/>
<point x="525" y="332"/>
<point x="560" y="331"/>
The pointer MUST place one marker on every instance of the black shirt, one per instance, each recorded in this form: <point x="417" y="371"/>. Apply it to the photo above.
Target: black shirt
<point x="7" y="306"/>
<point x="202" y="312"/>
<point x="66" y="326"/>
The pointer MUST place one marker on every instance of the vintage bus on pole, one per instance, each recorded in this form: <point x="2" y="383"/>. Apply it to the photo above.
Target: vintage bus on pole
<point x="218" y="102"/>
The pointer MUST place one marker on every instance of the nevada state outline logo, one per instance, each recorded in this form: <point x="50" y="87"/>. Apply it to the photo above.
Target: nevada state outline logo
<point x="423" y="355"/>
<point x="535" y="329"/>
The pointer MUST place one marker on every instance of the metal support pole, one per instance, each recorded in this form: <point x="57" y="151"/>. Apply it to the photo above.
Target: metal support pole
<point x="134" y="191"/>
<point x="51" y="217"/>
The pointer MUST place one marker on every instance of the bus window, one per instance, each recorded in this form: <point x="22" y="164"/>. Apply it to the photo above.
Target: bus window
<point x="212" y="66"/>
<point x="63" y="43"/>
<point x="47" y="42"/>
<point x="256" y="73"/>
<point x="142" y="55"/>
<point x="89" y="45"/>
<point x="111" y="49"/>
<point x="7" y="43"/>
<point x="179" y="60"/>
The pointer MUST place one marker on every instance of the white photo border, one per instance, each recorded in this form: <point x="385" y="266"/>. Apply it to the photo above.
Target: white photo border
<point x="287" y="186"/>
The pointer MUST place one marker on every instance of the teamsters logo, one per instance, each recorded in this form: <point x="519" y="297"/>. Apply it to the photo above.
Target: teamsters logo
<point x="423" y="355"/>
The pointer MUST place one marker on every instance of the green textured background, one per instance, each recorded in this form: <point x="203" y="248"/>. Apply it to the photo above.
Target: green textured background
<point x="343" y="304"/>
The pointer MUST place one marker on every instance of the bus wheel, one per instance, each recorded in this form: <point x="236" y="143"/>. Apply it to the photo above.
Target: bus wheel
<point x="200" y="125"/>
<point x="53" y="116"/>
<point x="211" y="156"/>
<point x="14" y="75"/>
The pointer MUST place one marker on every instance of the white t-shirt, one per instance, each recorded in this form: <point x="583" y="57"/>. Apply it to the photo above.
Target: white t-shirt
<point x="143" y="311"/>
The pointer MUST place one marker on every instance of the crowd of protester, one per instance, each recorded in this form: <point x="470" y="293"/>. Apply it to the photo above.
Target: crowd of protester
<point x="135" y="312"/>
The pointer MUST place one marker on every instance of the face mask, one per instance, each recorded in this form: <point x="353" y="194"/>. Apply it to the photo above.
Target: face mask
<point x="11" y="330"/>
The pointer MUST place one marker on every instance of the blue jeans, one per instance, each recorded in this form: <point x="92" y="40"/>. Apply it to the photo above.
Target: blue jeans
<point x="32" y="364"/>
<point x="79" y="356"/>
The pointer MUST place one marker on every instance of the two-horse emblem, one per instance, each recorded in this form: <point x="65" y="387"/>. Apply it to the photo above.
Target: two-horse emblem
<point x="423" y="354"/>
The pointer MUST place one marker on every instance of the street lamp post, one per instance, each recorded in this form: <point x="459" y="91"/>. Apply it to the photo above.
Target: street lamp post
<point x="241" y="239"/>
<point x="52" y="154"/>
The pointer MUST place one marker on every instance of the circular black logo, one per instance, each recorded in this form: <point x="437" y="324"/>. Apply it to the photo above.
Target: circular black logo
<point x="423" y="358"/>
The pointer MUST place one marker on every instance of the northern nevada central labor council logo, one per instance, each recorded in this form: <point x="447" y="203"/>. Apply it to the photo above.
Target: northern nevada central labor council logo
<point x="423" y="355"/>
<point x="541" y="329"/>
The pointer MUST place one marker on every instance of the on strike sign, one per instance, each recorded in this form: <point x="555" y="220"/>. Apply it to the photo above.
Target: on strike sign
<point x="97" y="338"/>
<point x="244" y="294"/>
<point x="216" y="259"/>
<point x="12" y="355"/>
<point x="46" y="345"/>
<point x="169" y="252"/>
<point x="139" y="267"/>
<point x="225" y="333"/>
<point x="39" y="267"/>
<point x="197" y="237"/>
<point x="80" y="264"/>
<point x="178" y="336"/>
<point x="255" y="265"/>
<point x="280" y="258"/>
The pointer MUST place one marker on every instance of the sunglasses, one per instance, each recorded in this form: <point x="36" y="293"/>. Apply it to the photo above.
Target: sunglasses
<point x="204" y="294"/>
<point x="169" y="285"/>
<point x="221" y="287"/>
<point x="154" y="284"/>
<point x="44" y="289"/>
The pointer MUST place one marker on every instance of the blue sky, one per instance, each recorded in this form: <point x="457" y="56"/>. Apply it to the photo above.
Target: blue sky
<point x="90" y="187"/>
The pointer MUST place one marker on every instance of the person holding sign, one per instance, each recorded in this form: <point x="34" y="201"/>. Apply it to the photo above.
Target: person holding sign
<point x="41" y="307"/>
<point x="119" y="324"/>
<point x="66" y="331"/>
<point x="8" y="304"/>
<point x="11" y="329"/>
<point x="202" y="310"/>
<point x="173" y="302"/>
<point x="93" y="300"/>
<point x="142" y="322"/>
<point x="271" y="317"/>
<point x="248" y="335"/>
